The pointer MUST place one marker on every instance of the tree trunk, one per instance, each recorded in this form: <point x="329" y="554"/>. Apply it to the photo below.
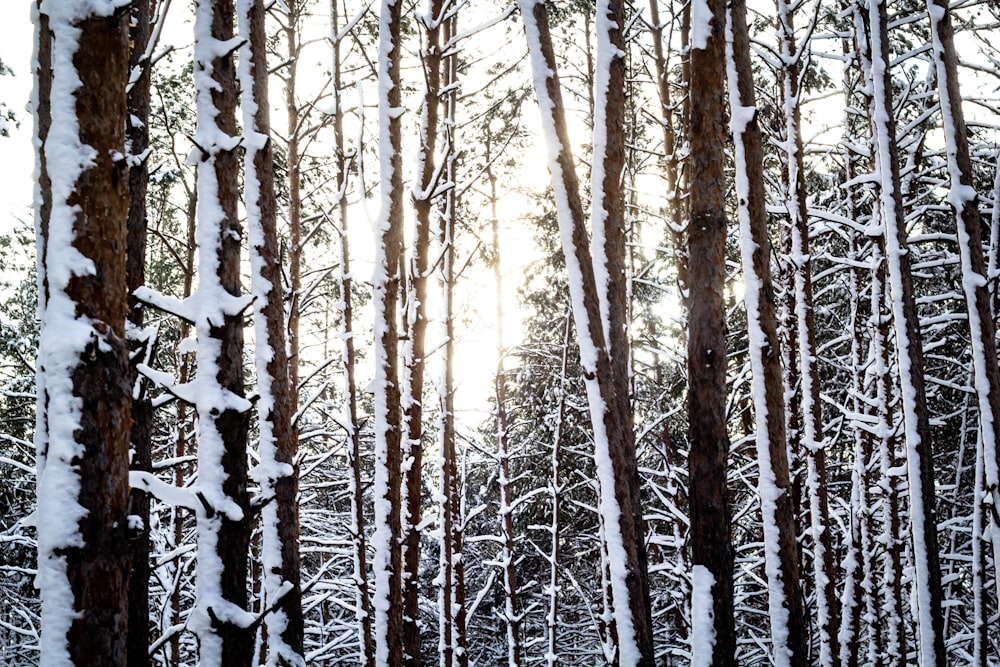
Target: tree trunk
<point x="83" y="388"/>
<point x="359" y="543"/>
<point x="415" y="327"/>
<point x="613" y="439"/>
<point x="454" y="643"/>
<point x="387" y="565"/>
<point x="811" y="410"/>
<point x="965" y="202"/>
<point x="224" y="522"/>
<point x="711" y="546"/>
<point x="141" y="343"/>
<point x="277" y="472"/>
<point x="909" y="353"/>
<point x="789" y="636"/>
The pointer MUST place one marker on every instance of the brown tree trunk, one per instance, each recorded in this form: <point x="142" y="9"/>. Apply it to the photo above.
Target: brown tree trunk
<point x="141" y="343"/>
<point x="909" y="353"/>
<point x="610" y="416"/>
<point x="711" y="546"/>
<point x="277" y="402"/>
<point x="510" y="615"/>
<point x="793" y="172"/>
<point x="415" y="327"/>
<point x="293" y="160"/>
<point x="965" y="202"/>
<point x="671" y="154"/>
<point x="83" y="372"/>
<point x="454" y="641"/>
<point x="223" y="419"/>
<point x="788" y="623"/>
<point x="387" y="566"/>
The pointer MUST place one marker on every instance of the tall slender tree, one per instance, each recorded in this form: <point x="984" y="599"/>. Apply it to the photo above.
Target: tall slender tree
<point x="220" y="618"/>
<point x="362" y="599"/>
<point x="909" y="351"/>
<point x="810" y="417"/>
<point x="141" y="341"/>
<point x="277" y="471"/>
<point x="781" y="555"/>
<point x="711" y="546"/>
<point x="387" y="563"/>
<point x="453" y="642"/>
<point x="982" y="331"/>
<point x="415" y="321"/>
<point x="594" y="284"/>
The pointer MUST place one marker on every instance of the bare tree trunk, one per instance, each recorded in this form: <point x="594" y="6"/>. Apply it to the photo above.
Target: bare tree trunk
<point x="711" y="546"/>
<point x="789" y="636"/>
<point x="277" y="472"/>
<point x="387" y="566"/>
<point x="362" y="601"/>
<point x="508" y="537"/>
<point x="293" y="162"/>
<point x="141" y="342"/>
<point x="84" y="397"/>
<point x="671" y="152"/>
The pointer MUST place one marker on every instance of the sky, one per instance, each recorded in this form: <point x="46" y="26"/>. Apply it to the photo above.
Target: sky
<point x="18" y="158"/>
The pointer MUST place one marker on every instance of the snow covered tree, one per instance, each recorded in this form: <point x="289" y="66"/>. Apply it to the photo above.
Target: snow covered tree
<point x="387" y="567"/>
<point x="909" y="350"/>
<point x="83" y="384"/>
<point x="781" y="555"/>
<point x="277" y="471"/>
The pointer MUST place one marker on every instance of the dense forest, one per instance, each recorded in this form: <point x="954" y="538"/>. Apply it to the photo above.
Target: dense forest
<point x="583" y="332"/>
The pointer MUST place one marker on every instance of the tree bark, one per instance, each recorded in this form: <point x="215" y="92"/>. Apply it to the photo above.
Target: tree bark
<point x="613" y="439"/>
<point x="278" y="440"/>
<point x="789" y="635"/>
<point x="84" y="396"/>
<point x="982" y="331"/>
<point x="141" y="342"/>
<point x="359" y="542"/>
<point x="224" y="522"/>
<point x="711" y="546"/>
<point x="793" y="171"/>
<point x="909" y="352"/>
<point x="387" y="565"/>
<point x="453" y="642"/>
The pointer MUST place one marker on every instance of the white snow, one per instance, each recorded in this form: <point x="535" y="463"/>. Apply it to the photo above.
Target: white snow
<point x="702" y="617"/>
<point x="701" y="24"/>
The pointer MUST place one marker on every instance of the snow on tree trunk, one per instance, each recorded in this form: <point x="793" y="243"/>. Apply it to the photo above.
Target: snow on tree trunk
<point x="346" y="282"/>
<point x="508" y="536"/>
<point x="220" y="619"/>
<point x="141" y="341"/>
<point x="415" y="327"/>
<point x="614" y="451"/>
<point x="781" y="555"/>
<point x="386" y="540"/>
<point x="811" y="415"/>
<point x="83" y="387"/>
<point x="965" y="203"/>
<point x="453" y="643"/>
<point x="276" y="471"/>
<point x="909" y="353"/>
